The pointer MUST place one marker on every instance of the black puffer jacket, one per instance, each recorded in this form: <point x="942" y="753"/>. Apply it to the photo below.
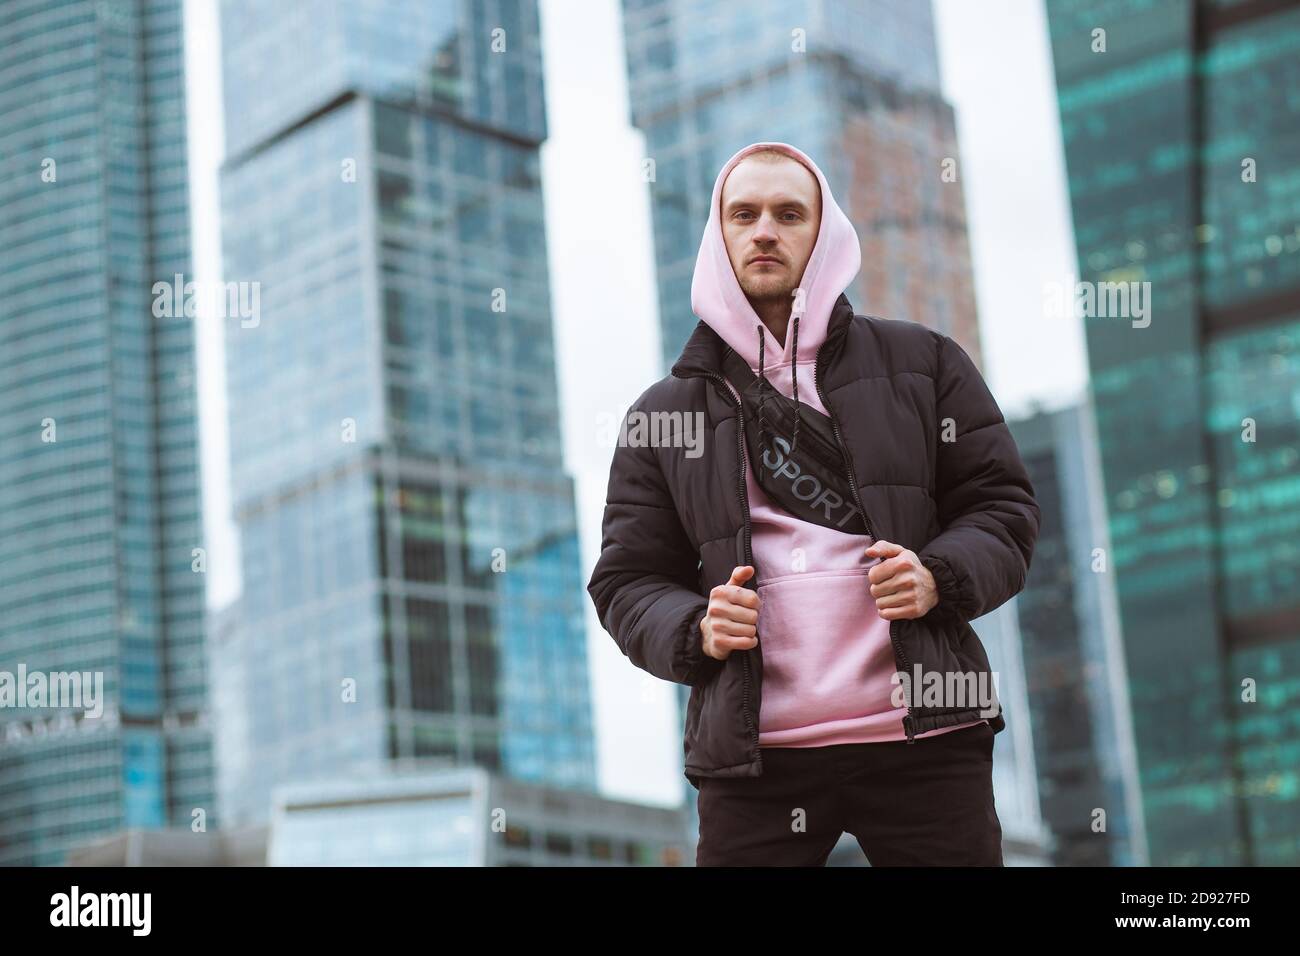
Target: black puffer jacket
<point x="675" y="527"/>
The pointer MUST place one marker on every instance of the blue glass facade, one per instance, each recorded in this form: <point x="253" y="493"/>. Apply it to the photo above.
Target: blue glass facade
<point x="99" y="473"/>
<point x="1073" y="653"/>
<point x="1181" y="142"/>
<point x="397" y="475"/>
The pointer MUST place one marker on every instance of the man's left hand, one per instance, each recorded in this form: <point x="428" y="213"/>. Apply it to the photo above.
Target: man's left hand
<point x="901" y="585"/>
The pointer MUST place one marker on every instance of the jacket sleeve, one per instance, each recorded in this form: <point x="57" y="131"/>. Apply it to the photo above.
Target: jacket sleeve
<point x="644" y="584"/>
<point x="987" y="512"/>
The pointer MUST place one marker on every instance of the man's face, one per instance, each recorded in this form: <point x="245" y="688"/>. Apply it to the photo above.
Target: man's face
<point x="771" y="213"/>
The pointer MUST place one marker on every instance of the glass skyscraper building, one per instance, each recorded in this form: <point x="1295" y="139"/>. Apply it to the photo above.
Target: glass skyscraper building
<point x="410" y="568"/>
<point x="1073" y="654"/>
<point x="100" y="510"/>
<point x="1181" y="127"/>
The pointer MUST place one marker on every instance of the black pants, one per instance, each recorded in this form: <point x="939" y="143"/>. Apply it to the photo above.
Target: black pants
<point x="927" y="803"/>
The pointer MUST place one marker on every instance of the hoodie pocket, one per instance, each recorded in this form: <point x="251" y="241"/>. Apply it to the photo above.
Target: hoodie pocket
<point x="826" y="651"/>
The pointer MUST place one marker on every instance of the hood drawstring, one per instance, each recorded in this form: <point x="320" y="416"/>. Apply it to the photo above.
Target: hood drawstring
<point x="794" y="378"/>
<point x="762" y="392"/>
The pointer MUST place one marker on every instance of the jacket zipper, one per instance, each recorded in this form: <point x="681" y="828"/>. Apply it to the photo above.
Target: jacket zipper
<point x="749" y="555"/>
<point x="909" y="722"/>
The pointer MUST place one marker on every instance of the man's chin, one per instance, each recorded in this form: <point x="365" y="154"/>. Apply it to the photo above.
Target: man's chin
<point x="766" y="293"/>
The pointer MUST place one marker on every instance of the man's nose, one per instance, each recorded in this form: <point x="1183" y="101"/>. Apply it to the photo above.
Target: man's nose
<point x="765" y="229"/>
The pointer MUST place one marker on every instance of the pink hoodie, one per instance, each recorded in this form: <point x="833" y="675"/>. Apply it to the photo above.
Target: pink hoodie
<point x="827" y="658"/>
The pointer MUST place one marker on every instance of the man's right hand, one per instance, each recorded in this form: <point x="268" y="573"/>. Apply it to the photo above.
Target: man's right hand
<point x="731" y="621"/>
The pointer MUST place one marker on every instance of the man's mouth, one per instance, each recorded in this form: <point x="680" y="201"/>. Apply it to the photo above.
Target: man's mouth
<point x="759" y="259"/>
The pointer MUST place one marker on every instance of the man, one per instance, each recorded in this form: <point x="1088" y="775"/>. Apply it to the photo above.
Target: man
<point x="858" y="500"/>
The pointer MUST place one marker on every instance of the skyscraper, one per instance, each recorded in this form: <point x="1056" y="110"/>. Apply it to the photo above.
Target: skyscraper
<point x="1073" y="652"/>
<point x="411" y="580"/>
<point x="99" y="469"/>
<point x="1181" y="128"/>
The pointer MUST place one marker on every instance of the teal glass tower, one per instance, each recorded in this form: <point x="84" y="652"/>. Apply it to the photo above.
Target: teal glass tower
<point x="100" y="509"/>
<point x="411" y="586"/>
<point x="1181" y="127"/>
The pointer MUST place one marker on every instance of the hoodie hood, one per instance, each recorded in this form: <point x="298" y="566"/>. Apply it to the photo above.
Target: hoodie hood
<point x="718" y="300"/>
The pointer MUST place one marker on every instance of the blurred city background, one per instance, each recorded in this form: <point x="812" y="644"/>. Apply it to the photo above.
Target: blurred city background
<point x="325" y="531"/>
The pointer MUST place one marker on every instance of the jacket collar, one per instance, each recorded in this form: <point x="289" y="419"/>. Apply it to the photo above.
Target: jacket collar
<point x="704" y="350"/>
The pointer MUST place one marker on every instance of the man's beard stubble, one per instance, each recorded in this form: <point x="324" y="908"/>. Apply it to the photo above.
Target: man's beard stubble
<point x="768" y="292"/>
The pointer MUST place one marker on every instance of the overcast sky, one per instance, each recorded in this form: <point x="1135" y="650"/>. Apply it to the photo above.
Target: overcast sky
<point x="996" y="73"/>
